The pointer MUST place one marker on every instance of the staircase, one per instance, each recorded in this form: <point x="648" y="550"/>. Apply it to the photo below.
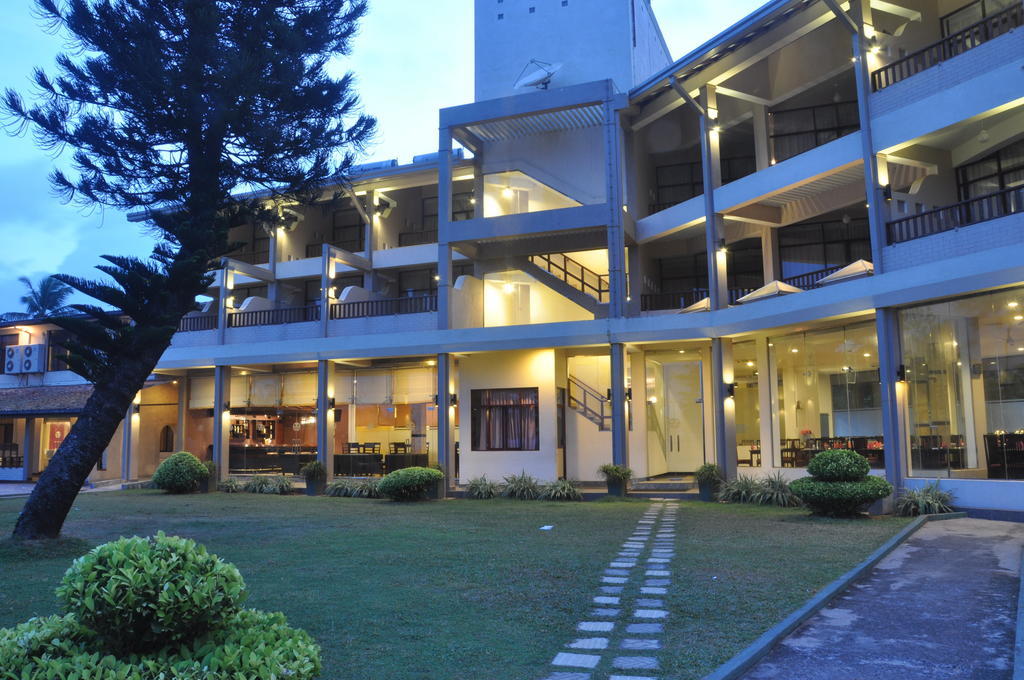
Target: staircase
<point x="570" y="279"/>
<point x="589" y="403"/>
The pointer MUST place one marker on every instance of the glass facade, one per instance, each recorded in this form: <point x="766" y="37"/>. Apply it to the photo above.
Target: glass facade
<point x="746" y="402"/>
<point x="964" y="366"/>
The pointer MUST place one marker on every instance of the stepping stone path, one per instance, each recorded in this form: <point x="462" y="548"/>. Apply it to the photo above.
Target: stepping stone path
<point x="622" y="634"/>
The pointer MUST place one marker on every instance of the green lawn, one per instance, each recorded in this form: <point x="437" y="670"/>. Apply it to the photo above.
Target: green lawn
<point x="463" y="589"/>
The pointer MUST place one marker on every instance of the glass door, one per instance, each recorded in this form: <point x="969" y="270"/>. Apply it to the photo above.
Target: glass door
<point x="675" y="413"/>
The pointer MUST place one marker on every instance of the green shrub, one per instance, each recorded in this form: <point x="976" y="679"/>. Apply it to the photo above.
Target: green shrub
<point x="774" y="490"/>
<point x="140" y="594"/>
<point x="250" y="644"/>
<point x="561" y="490"/>
<point x="839" y="465"/>
<point x="230" y="485"/>
<point x="616" y="473"/>
<point x="313" y="471"/>
<point x="840" y="499"/>
<point x="181" y="472"/>
<point x="275" y="484"/>
<point x="482" y="488"/>
<point x="709" y="473"/>
<point x="743" y="489"/>
<point x="521" y="486"/>
<point x="409" y="484"/>
<point x="367" y="488"/>
<point x="927" y="500"/>
<point x="340" y="488"/>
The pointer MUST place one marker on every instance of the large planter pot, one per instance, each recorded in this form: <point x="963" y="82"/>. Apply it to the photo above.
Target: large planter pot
<point x="616" y="487"/>
<point x="207" y="485"/>
<point x="315" y="488"/>
<point x="706" y="491"/>
<point x="436" y="491"/>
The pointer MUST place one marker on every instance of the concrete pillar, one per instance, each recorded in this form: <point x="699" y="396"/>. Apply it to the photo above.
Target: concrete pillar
<point x="446" y="417"/>
<point x="889" y="361"/>
<point x="620" y="420"/>
<point x="762" y="137"/>
<point x="635" y="280"/>
<point x="327" y="271"/>
<point x="179" y="432"/>
<point x="766" y="403"/>
<point x="714" y="224"/>
<point x="29" y="444"/>
<point x="325" y="415"/>
<point x="444" y="217"/>
<point x="770" y="254"/>
<point x="618" y="287"/>
<point x="722" y="406"/>
<point x="221" y="419"/>
<point x="274" y="256"/>
<point x="227" y="282"/>
<point x="130" y="442"/>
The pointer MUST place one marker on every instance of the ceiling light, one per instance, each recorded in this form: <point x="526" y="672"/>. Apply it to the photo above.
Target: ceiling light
<point x="867" y="354"/>
<point x="1013" y="305"/>
<point x="750" y="364"/>
<point x="682" y="351"/>
<point x="1018" y="317"/>
<point x="794" y="350"/>
<point x="508" y="288"/>
<point x="507" y="192"/>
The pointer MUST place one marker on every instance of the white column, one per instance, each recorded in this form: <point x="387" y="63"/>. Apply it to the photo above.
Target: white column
<point x="617" y="285"/>
<point x="221" y="419"/>
<point x="29" y="444"/>
<point x="770" y="254"/>
<point x="762" y="139"/>
<point x="444" y="217"/>
<point x="325" y="415"/>
<point x="446" y="417"/>
<point x="766" y="403"/>
<point x="889" y="361"/>
<point x="620" y="420"/>
<point x="180" y="432"/>
<point x="723" y="408"/>
<point x="714" y="224"/>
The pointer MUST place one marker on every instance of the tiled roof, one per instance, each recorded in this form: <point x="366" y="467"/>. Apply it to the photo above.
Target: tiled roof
<point x="48" y="400"/>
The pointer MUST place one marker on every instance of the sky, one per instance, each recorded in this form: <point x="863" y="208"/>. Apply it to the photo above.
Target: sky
<point x="411" y="58"/>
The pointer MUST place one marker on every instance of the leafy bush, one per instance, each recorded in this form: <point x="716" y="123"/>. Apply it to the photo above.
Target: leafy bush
<point x="340" y="488"/>
<point x="616" y="473"/>
<point x="840" y="499"/>
<point x="482" y="488"/>
<point x="367" y="488"/>
<point x="839" y="465"/>
<point x="927" y="500"/>
<point x="708" y="473"/>
<point x="140" y="594"/>
<point x="230" y="485"/>
<point x="774" y="490"/>
<point x="274" y="484"/>
<point x="250" y="644"/>
<point x="313" y="471"/>
<point x="181" y="472"/>
<point x="561" y="490"/>
<point x="409" y="484"/>
<point x="521" y="486"/>
<point x="743" y="489"/>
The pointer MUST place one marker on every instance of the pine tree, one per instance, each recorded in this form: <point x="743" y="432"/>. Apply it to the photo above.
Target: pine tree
<point x="170" y="107"/>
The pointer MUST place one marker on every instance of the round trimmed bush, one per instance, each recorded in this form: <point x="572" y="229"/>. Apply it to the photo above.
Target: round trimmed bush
<point x="180" y="473"/>
<point x="839" y="465"/>
<point x="141" y="594"/>
<point x="409" y="484"/>
<point x="250" y="644"/>
<point x="839" y="499"/>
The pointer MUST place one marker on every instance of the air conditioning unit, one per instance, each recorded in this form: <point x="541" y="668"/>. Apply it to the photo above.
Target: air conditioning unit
<point x="12" y="359"/>
<point x="33" y="358"/>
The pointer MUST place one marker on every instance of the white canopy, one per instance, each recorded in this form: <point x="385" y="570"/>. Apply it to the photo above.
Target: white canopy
<point x="851" y="271"/>
<point x="772" y="289"/>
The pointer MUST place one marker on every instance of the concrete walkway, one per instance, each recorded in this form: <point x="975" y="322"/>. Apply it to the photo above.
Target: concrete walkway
<point x="941" y="606"/>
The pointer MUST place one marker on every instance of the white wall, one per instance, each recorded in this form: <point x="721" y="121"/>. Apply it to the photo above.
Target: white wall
<point x="506" y="370"/>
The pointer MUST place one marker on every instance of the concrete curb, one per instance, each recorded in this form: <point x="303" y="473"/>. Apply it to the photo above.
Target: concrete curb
<point x="745" y="660"/>
<point x="1018" y="648"/>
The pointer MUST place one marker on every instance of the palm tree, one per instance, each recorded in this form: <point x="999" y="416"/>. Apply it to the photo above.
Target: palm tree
<point x="46" y="300"/>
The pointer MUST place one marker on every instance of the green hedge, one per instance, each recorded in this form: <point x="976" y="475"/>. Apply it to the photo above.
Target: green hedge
<point x="181" y="472"/>
<point x="838" y="499"/>
<point x="839" y="465"/>
<point x="409" y="484"/>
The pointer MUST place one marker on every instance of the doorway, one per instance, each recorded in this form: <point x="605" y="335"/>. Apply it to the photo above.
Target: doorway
<point x="675" y="414"/>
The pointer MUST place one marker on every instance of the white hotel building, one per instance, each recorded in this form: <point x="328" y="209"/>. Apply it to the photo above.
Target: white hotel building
<point x="808" y="233"/>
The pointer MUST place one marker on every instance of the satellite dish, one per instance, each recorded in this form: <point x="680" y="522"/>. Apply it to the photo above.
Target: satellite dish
<point x="536" y="74"/>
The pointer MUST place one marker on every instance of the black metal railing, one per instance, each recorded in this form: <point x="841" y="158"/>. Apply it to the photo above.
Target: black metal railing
<point x="965" y="213"/>
<point x="9" y="457"/>
<point x="590" y="403"/>
<point x="417" y="238"/>
<point x="274" y="317"/>
<point x="200" y="322"/>
<point x="574" y="274"/>
<point x="650" y="302"/>
<point x="811" y="279"/>
<point x="949" y="47"/>
<point x="419" y="304"/>
<point x="801" y="129"/>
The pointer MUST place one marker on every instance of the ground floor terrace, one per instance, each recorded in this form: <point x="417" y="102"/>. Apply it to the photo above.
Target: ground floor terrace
<point x="930" y="390"/>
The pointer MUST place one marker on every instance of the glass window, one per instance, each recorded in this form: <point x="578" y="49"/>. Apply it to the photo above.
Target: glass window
<point x="964" y="363"/>
<point x="505" y="420"/>
<point x="828" y="394"/>
<point x="811" y="247"/>
<point x="57" y="354"/>
<point x="746" y="403"/>
<point x="1003" y="169"/>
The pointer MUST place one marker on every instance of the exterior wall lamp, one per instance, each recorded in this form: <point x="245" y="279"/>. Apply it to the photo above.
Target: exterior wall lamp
<point x="453" y="400"/>
<point x="730" y="390"/>
<point x="901" y="374"/>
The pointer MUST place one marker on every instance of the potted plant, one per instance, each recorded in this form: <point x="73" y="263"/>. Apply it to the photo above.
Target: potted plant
<point x="436" y="490"/>
<point x="316" y="477"/>
<point x="709" y="476"/>
<point x="210" y="483"/>
<point x="616" y="477"/>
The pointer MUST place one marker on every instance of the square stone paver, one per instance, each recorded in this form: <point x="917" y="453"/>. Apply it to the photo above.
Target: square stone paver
<point x="605" y="612"/>
<point x="657" y="572"/>
<point x="658" y="582"/>
<point x="645" y="628"/>
<point x="635" y="662"/>
<point x="561" y="675"/>
<point x="658" y="560"/>
<point x="616" y="572"/>
<point x="630" y="677"/>
<point x="601" y="599"/>
<point x="650" y="602"/>
<point x="589" y="643"/>
<point x="613" y="590"/>
<point x="623" y="564"/>
<point x="613" y="579"/>
<point x="653" y="590"/>
<point x="595" y="626"/>
<point x="640" y="644"/>
<point x="650" y="614"/>
<point x="578" y="660"/>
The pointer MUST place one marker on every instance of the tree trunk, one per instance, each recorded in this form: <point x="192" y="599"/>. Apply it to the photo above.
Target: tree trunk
<point x="55" y="492"/>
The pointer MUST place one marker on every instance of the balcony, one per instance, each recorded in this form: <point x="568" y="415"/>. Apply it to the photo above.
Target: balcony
<point x="963" y="214"/>
<point x="274" y="317"/>
<point x="419" y="304"/>
<point x="797" y="130"/>
<point x="650" y="302"/>
<point x="200" y="322"/>
<point x="951" y="46"/>
<point x="417" y="238"/>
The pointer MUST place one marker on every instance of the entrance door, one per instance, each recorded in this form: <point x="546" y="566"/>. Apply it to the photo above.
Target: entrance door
<point x="675" y="415"/>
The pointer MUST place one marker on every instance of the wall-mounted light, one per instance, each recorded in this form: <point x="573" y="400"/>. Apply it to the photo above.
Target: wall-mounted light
<point x="507" y="192"/>
<point x="330" y="402"/>
<point x="229" y="302"/>
<point x="435" y="400"/>
<point x="629" y="394"/>
<point x="901" y="373"/>
<point x="453" y="400"/>
<point x="721" y="245"/>
<point x="887" y="192"/>
<point x="730" y="390"/>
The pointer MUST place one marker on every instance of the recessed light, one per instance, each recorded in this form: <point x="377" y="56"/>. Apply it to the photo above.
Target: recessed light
<point x="1013" y="305"/>
<point x="867" y="354"/>
<point x="682" y="351"/>
<point x="750" y="363"/>
<point x="794" y="350"/>
<point x="1018" y="317"/>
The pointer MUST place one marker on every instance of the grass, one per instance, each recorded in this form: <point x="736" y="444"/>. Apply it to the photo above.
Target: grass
<point x="463" y="588"/>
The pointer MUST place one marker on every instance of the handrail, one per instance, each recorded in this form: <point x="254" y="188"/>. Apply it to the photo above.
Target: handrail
<point x="810" y="279"/>
<point x="199" y="322"/>
<point x="585" y="405"/>
<point x="574" y="274"/>
<point x="417" y="238"/>
<point x="650" y="302"/>
<point x="951" y="46"/>
<point x="274" y="317"/>
<point x="972" y="211"/>
<point x="418" y="304"/>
